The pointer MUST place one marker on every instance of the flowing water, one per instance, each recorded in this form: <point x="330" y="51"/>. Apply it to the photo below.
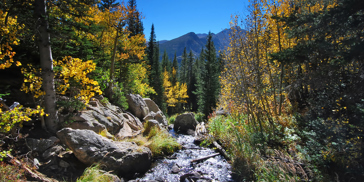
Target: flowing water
<point x="212" y="169"/>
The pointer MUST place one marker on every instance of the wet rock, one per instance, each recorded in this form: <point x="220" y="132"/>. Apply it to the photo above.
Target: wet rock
<point x="137" y="106"/>
<point x="124" y="158"/>
<point x="40" y="145"/>
<point x="175" y="169"/>
<point x="184" y="122"/>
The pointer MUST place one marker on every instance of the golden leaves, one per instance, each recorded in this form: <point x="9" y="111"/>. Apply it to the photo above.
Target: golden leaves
<point x="174" y="94"/>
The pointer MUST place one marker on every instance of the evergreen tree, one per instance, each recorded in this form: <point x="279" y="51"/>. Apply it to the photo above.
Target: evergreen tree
<point x="183" y="67"/>
<point x="189" y="83"/>
<point x="151" y="47"/>
<point x="197" y="69"/>
<point x="135" y="25"/>
<point x="155" y="69"/>
<point x="208" y="81"/>
<point x="108" y="4"/>
<point x="166" y="63"/>
<point x="175" y="66"/>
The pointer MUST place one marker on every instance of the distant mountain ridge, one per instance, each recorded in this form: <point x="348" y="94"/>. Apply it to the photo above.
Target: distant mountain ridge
<point x="194" y="42"/>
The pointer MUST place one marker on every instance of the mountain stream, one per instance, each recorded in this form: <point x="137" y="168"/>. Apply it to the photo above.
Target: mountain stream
<point x="181" y="167"/>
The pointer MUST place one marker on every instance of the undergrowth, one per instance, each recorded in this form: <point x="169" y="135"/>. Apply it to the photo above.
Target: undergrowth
<point x="253" y="157"/>
<point x="11" y="173"/>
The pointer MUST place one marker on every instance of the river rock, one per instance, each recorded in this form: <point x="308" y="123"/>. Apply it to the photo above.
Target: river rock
<point x="184" y="122"/>
<point x="137" y="106"/>
<point x="124" y="158"/>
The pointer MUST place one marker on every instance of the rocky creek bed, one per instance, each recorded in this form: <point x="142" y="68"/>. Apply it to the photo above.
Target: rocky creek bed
<point x="180" y="166"/>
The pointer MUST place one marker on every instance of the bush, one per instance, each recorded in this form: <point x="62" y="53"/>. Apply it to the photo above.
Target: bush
<point x="172" y="119"/>
<point x="199" y="117"/>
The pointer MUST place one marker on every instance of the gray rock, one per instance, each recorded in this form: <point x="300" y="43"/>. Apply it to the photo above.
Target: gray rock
<point x="159" y="116"/>
<point x="137" y="106"/>
<point x="152" y="106"/>
<point x="53" y="151"/>
<point x="124" y="158"/>
<point x="63" y="164"/>
<point x="40" y="145"/>
<point x="184" y="122"/>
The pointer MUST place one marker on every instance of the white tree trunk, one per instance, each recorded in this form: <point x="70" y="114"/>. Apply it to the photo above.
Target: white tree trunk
<point x="46" y="62"/>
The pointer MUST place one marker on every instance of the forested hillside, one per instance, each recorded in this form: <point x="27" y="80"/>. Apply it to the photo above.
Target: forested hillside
<point x="284" y="97"/>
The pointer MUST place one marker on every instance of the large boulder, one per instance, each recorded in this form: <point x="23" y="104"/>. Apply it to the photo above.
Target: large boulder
<point x="137" y="106"/>
<point x="185" y="122"/>
<point x="124" y="158"/>
<point x="96" y="121"/>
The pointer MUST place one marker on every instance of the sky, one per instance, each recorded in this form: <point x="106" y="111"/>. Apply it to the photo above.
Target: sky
<point x="174" y="18"/>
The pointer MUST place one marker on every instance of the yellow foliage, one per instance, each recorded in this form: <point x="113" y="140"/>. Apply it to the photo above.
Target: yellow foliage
<point x="71" y="79"/>
<point x="17" y="116"/>
<point x="8" y="33"/>
<point x="138" y="73"/>
<point x="174" y="94"/>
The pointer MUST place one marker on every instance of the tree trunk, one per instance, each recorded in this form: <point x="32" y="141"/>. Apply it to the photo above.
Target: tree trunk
<point x="46" y="62"/>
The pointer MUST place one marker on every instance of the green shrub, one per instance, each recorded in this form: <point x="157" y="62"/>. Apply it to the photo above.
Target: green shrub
<point x="199" y="117"/>
<point x="172" y="119"/>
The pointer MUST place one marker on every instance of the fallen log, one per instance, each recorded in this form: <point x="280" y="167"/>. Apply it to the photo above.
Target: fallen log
<point x="204" y="158"/>
<point x="221" y="150"/>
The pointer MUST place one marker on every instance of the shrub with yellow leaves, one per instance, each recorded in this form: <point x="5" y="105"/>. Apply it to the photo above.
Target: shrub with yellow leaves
<point x="8" y="30"/>
<point x="16" y="116"/>
<point x="71" y="79"/>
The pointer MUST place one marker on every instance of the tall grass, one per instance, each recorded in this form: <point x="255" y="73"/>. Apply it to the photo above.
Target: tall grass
<point x="160" y="142"/>
<point x="95" y="174"/>
<point x="252" y="158"/>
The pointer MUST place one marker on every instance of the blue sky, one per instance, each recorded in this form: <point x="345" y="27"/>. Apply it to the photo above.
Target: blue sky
<point x="174" y="18"/>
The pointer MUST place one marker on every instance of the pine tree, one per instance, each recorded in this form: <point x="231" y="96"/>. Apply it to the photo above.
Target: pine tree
<point x="135" y="25"/>
<point x="189" y="83"/>
<point x="183" y="67"/>
<point x="108" y="4"/>
<point x="208" y="81"/>
<point x="175" y="66"/>
<point x="155" y="76"/>
<point x="166" y="63"/>
<point x="151" y="47"/>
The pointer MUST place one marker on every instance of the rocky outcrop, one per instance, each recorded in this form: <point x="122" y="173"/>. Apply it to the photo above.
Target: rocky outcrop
<point x="137" y="106"/>
<point x="124" y="158"/>
<point x="99" y="117"/>
<point x="185" y="122"/>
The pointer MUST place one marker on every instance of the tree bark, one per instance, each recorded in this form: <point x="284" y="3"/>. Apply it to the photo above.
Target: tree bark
<point x="46" y="62"/>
